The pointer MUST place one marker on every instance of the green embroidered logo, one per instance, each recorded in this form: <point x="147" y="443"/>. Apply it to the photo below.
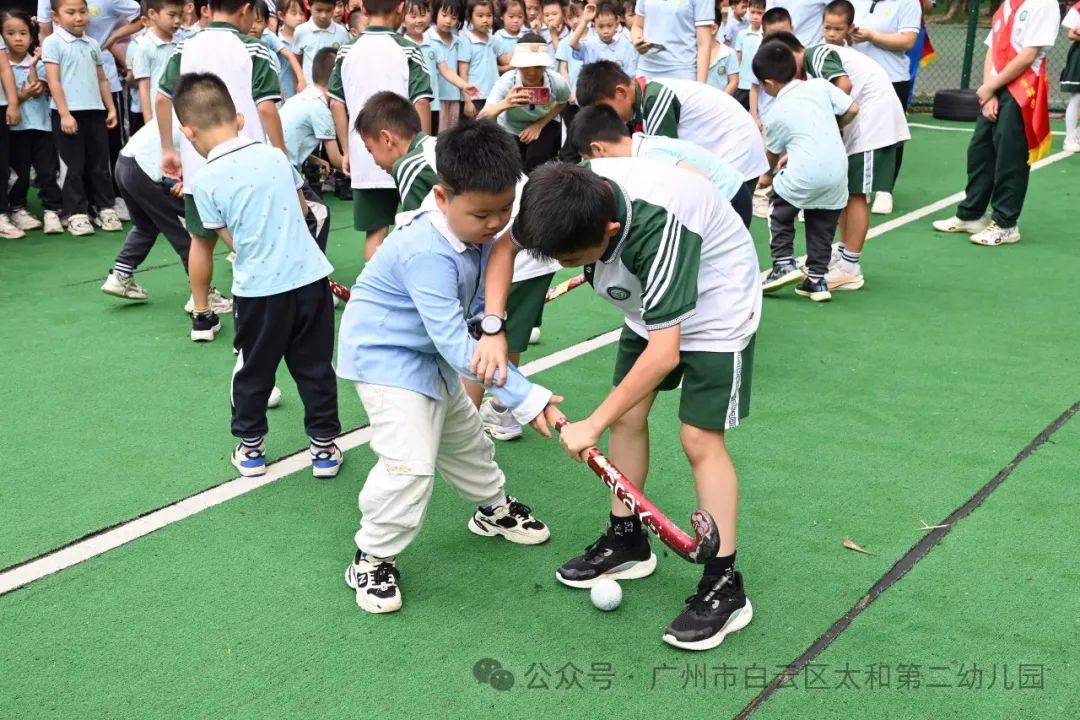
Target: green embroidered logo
<point x="617" y="293"/>
<point x="94" y="56"/>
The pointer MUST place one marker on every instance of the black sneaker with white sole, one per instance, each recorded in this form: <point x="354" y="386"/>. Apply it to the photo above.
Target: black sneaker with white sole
<point x="204" y="326"/>
<point x="718" y="608"/>
<point x="781" y="275"/>
<point x="514" y="521"/>
<point x="375" y="584"/>
<point x="609" y="557"/>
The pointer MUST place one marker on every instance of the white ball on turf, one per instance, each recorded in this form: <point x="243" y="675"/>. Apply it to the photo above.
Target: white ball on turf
<point x="275" y="398"/>
<point x="606" y="595"/>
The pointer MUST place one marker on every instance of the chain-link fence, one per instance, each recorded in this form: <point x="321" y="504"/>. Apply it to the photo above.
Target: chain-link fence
<point x="948" y="29"/>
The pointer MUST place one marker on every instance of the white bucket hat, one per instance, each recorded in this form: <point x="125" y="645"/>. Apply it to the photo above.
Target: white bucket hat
<point x="530" y="55"/>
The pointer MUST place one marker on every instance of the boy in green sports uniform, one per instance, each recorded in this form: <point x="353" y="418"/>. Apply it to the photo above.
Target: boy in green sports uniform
<point x="390" y="128"/>
<point x="665" y="247"/>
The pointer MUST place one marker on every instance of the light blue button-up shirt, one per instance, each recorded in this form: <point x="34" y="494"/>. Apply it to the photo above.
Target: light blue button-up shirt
<point x="405" y="325"/>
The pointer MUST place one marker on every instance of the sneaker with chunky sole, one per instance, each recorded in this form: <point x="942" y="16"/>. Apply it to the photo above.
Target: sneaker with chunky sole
<point x="534" y="336"/>
<point x="609" y="557"/>
<point x="123" y="286"/>
<point x="816" y="290"/>
<point x="23" y="220"/>
<point x="218" y="303"/>
<point x="80" y="225"/>
<point x="883" y="204"/>
<point x="9" y="230"/>
<point x="956" y="225"/>
<point x="1071" y="145"/>
<point x="251" y="462"/>
<point x="326" y="463"/>
<point x="840" y="279"/>
<point x="375" y="583"/>
<point x="781" y="276"/>
<point x="513" y="521"/>
<point x="53" y="225"/>
<point x="108" y="220"/>
<point x="718" y="608"/>
<point x="499" y="425"/>
<point x="205" y="326"/>
<point x="995" y="235"/>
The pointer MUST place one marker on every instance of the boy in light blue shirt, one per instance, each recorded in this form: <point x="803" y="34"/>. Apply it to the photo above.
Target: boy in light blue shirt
<point x="804" y="127"/>
<point x="605" y="42"/>
<point x="746" y="45"/>
<point x="153" y="50"/>
<point x="405" y="340"/>
<point x="317" y="33"/>
<point x="249" y="194"/>
<point x="306" y="119"/>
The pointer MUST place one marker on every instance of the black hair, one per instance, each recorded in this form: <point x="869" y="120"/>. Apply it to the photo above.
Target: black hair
<point x="477" y="156"/>
<point x="379" y="7"/>
<point x="283" y="6"/>
<point x="530" y="38"/>
<point x="597" y="82"/>
<point x="157" y="5"/>
<point x="31" y="24"/>
<point x="323" y="65"/>
<point x="453" y="7"/>
<point x="774" y="61"/>
<point x="353" y="17"/>
<point x="505" y="5"/>
<point x="422" y="6"/>
<point x="783" y="36"/>
<point x="199" y="5"/>
<point x="775" y="16"/>
<point x="202" y="101"/>
<point x="564" y="210"/>
<point x="261" y="10"/>
<point x="596" y="123"/>
<point x="607" y="8"/>
<point x="331" y="3"/>
<point x="561" y="3"/>
<point x="228" y="6"/>
<point x="841" y="7"/>
<point x="758" y="4"/>
<point x="386" y="110"/>
<point x="473" y="4"/>
<point x="55" y="4"/>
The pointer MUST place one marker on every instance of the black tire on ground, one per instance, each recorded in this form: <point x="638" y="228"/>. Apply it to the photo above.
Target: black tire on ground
<point x="956" y="105"/>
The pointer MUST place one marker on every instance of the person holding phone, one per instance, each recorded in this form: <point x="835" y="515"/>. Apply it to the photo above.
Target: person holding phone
<point x="527" y="101"/>
<point x="674" y="39"/>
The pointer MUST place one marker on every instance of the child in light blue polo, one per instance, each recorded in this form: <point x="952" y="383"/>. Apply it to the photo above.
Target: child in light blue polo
<point x="249" y="194"/>
<point x="605" y="42"/>
<point x="306" y="118"/>
<point x="477" y="63"/>
<point x="317" y="33"/>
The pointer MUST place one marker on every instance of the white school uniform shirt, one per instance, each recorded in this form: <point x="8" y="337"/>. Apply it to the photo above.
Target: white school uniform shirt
<point x="888" y="16"/>
<point x="881" y="121"/>
<point x="807" y="18"/>
<point x="1035" y="26"/>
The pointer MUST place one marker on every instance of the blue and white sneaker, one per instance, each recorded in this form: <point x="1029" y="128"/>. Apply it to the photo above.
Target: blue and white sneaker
<point x="327" y="462"/>
<point x="251" y="462"/>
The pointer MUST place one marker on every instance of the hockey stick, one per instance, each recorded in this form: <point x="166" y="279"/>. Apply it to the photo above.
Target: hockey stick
<point x="698" y="549"/>
<point x="339" y="291"/>
<point x="564" y="287"/>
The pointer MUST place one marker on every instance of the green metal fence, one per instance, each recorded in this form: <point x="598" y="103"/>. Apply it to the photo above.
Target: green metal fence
<point x="960" y="52"/>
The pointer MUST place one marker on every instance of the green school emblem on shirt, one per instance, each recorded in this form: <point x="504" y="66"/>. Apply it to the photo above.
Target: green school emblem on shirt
<point x="618" y="293"/>
<point x="431" y="55"/>
<point x="94" y="55"/>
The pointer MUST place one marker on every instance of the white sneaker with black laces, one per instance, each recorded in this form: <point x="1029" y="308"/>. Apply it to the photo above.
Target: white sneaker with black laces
<point x="513" y="521"/>
<point x="375" y="583"/>
<point x="995" y="235"/>
<point x="499" y="425"/>
<point x="80" y="225"/>
<point x="123" y="286"/>
<point x="218" y="303"/>
<point x="23" y="220"/>
<point x="108" y="220"/>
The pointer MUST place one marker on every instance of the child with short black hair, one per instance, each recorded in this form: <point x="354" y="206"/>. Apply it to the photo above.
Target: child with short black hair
<point x="605" y="42"/>
<point x="356" y="21"/>
<point x="31" y="143"/>
<point x="405" y="340"/>
<point x="512" y="14"/>
<point x="803" y="127"/>
<point x="737" y="21"/>
<point x="379" y="59"/>
<point x="283" y="54"/>
<point x="82" y="114"/>
<point x="318" y="32"/>
<point x="723" y="65"/>
<point x="290" y="14"/>
<point x="478" y="65"/>
<point x="746" y="44"/>
<point x="663" y="246"/>
<point x="248" y="193"/>
<point x="154" y="48"/>
<point x="444" y="53"/>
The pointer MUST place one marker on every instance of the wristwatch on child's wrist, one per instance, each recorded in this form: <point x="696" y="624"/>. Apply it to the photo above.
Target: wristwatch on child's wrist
<point x="493" y="324"/>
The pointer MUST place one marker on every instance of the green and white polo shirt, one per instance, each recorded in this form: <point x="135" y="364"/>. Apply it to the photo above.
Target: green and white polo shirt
<point x="705" y="116"/>
<point x="244" y="64"/>
<point x="378" y="59"/>
<point x="682" y="257"/>
<point x="414" y="172"/>
<point x="881" y="121"/>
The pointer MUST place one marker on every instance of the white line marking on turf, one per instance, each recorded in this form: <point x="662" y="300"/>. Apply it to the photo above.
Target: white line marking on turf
<point x="82" y="550"/>
<point x="927" y="126"/>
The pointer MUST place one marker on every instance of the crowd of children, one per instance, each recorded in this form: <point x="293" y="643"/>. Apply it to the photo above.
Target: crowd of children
<point x="237" y="114"/>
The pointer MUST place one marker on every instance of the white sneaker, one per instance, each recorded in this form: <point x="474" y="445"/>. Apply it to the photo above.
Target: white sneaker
<point x="883" y="204"/>
<point x="834" y="258"/>
<point x="994" y="235"/>
<point x="123" y="287"/>
<point x="499" y="425"/>
<point x="375" y="584"/>
<point x="1072" y="145"/>
<point x="23" y="220"/>
<point x="108" y="220"/>
<point x="121" y="209"/>
<point x="220" y="304"/>
<point x="840" y="279"/>
<point x="53" y="226"/>
<point x="760" y="203"/>
<point x="513" y="521"/>
<point x="534" y="336"/>
<point x="8" y="229"/>
<point x="80" y="225"/>
<point x="956" y="225"/>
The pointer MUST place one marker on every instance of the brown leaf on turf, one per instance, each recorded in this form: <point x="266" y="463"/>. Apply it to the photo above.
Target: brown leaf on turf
<point x="852" y="545"/>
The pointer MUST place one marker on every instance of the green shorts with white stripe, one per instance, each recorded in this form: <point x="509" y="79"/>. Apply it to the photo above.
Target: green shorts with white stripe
<point x="872" y="171"/>
<point x="715" y="385"/>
